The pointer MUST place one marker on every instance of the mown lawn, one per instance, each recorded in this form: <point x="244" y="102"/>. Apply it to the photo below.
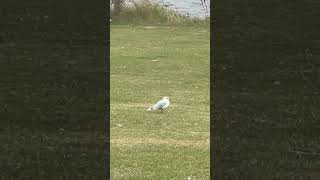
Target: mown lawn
<point x="147" y="63"/>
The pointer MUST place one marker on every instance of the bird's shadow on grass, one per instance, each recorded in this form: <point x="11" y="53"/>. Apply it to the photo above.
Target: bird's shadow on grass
<point x="158" y="112"/>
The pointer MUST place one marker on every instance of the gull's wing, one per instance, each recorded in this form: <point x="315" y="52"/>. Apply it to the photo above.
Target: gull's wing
<point x="159" y="104"/>
<point x="166" y="104"/>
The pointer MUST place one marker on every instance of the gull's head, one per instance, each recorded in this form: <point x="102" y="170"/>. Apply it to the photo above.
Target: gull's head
<point x="166" y="97"/>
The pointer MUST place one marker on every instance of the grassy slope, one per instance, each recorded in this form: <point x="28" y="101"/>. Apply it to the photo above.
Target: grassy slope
<point x="146" y="64"/>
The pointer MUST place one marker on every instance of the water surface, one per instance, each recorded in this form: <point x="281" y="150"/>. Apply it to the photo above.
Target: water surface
<point x="196" y="8"/>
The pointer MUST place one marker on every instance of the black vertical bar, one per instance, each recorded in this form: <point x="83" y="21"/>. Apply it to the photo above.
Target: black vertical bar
<point x="107" y="94"/>
<point x="212" y="95"/>
<point x="52" y="88"/>
<point x="265" y="114"/>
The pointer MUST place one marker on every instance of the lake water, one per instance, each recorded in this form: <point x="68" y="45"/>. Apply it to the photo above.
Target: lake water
<point x="196" y="8"/>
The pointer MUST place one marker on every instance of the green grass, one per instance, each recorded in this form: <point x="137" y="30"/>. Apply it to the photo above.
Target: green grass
<point x="146" y="12"/>
<point x="148" y="62"/>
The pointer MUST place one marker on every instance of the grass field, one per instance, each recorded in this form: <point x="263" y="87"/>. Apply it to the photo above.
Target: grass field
<point x="147" y="63"/>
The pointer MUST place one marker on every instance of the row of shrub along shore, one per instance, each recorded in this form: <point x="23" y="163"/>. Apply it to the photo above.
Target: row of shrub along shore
<point x="146" y="12"/>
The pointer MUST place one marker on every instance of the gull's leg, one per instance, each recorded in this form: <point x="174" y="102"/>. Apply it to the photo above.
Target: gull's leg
<point x="161" y="110"/>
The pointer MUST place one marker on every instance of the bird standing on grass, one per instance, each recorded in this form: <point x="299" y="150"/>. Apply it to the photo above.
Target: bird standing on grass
<point x="162" y="104"/>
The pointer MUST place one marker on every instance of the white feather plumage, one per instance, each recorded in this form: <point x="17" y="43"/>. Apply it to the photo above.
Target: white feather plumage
<point x="162" y="104"/>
